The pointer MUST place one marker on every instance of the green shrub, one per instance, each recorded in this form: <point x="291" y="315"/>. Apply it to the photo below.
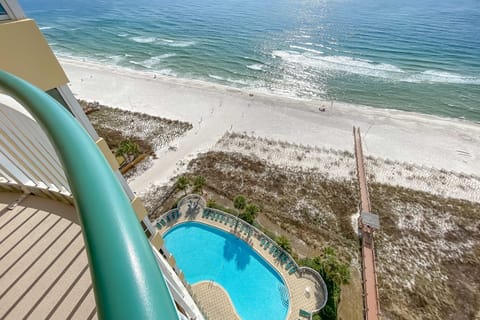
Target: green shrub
<point x="211" y="203"/>
<point x="250" y="213"/>
<point x="198" y="183"/>
<point x="335" y="273"/>
<point x="239" y="202"/>
<point x="182" y="184"/>
<point x="284" y="243"/>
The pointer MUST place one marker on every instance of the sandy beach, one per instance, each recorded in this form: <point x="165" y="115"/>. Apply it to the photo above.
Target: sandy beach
<point x="213" y="110"/>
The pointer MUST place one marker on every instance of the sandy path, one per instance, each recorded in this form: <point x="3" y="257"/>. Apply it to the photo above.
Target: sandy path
<point x="408" y="137"/>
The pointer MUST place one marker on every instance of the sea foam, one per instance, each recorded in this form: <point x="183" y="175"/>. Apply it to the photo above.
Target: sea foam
<point x="256" y="67"/>
<point x="306" y="49"/>
<point x="436" y="76"/>
<point x="339" y="63"/>
<point x="216" y="77"/>
<point x="152" y="61"/>
<point x="369" y="68"/>
<point x="176" y="43"/>
<point x="142" y="39"/>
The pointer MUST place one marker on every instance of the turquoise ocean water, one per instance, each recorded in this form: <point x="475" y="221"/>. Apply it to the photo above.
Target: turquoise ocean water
<point x="421" y="56"/>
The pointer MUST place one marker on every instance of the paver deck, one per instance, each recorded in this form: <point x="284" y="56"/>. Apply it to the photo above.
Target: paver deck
<point x="215" y="301"/>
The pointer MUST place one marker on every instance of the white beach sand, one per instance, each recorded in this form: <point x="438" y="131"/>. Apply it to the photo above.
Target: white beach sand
<point x="452" y="145"/>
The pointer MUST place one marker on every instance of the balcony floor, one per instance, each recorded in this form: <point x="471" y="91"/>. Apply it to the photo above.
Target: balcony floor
<point x="43" y="263"/>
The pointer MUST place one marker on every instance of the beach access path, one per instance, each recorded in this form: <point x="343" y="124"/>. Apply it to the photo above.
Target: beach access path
<point x="213" y="110"/>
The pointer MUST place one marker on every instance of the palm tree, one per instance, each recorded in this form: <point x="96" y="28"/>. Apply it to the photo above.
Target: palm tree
<point x="199" y="183"/>
<point x="182" y="184"/>
<point x="284" y="243"/>
<point x="128" y="149"/>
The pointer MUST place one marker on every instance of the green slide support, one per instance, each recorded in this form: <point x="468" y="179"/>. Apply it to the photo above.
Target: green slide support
<point x="127" y="281"/>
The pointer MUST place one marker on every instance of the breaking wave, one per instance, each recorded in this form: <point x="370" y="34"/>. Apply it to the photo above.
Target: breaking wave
<point x="436" y="76"/>
<point x="369" y="68"/>
<point x="153" y="61"/>
<point x="143" y="39"/>
<point x="256" y="67"/>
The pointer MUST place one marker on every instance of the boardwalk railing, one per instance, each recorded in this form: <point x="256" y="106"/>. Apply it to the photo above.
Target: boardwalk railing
<point x="370" y="285"/>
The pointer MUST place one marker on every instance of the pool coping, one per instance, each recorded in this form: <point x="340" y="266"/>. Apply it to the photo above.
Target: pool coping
<point x="196" y="214"/>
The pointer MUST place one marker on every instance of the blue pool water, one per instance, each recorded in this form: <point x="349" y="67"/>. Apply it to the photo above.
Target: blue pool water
<point x="205" y="253"/>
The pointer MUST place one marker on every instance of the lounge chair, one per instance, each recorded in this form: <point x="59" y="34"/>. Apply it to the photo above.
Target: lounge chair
<point x="289" y="265"/>
<point x="272" y="249"/>
<point x="262" y="241"/>
<point x="276" y="253"/>
<point x="292" y="270"/>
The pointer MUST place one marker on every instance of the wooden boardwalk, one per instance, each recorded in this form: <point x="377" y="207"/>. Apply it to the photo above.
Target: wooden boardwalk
<point x="370" y="289"/>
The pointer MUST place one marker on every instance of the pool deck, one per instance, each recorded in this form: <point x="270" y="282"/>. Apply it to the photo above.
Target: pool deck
<point x="305" y="291"/>
<point x="216" y="302"/>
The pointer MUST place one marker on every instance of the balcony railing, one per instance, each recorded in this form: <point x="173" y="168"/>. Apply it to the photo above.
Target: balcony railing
<point x="127" y="281"/>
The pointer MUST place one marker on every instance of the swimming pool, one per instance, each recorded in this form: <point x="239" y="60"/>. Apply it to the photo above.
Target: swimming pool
<point x="205" y="253"/>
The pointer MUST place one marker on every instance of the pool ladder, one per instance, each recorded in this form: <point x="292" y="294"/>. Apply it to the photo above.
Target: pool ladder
<point x="284" y="295"/>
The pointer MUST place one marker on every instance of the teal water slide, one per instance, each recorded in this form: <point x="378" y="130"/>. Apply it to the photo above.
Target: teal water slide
<point x="127" y="281"/>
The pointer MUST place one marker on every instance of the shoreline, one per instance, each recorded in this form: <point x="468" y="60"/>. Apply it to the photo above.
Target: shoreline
<point x="260" y="94"/>
<point x="425" y="140"/>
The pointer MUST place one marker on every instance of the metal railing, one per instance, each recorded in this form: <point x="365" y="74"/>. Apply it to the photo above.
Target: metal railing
<point x="127" y="281"/>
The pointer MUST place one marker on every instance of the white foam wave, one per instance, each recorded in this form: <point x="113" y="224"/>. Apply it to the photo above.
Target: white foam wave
<point x="136" y="63"/>
<point x="174" y="43"/>
<point x="238" y="81"/>
<point x="339" y="63"/>
<point x="153" y="61"/>
<point x="256" y="67"/>
<point x="122" y="34"/>
<point x="142" y="39"/>
<point x="437" y="76"/>
<point x="306" y="49"/>
<point x="369" y="68"/>
<point x="115" y="59"/>
<point x="167" y="72"/>
<point x="165" y="42"/>
<point x="216" y="77"/>
<point x="46" y="28"/>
